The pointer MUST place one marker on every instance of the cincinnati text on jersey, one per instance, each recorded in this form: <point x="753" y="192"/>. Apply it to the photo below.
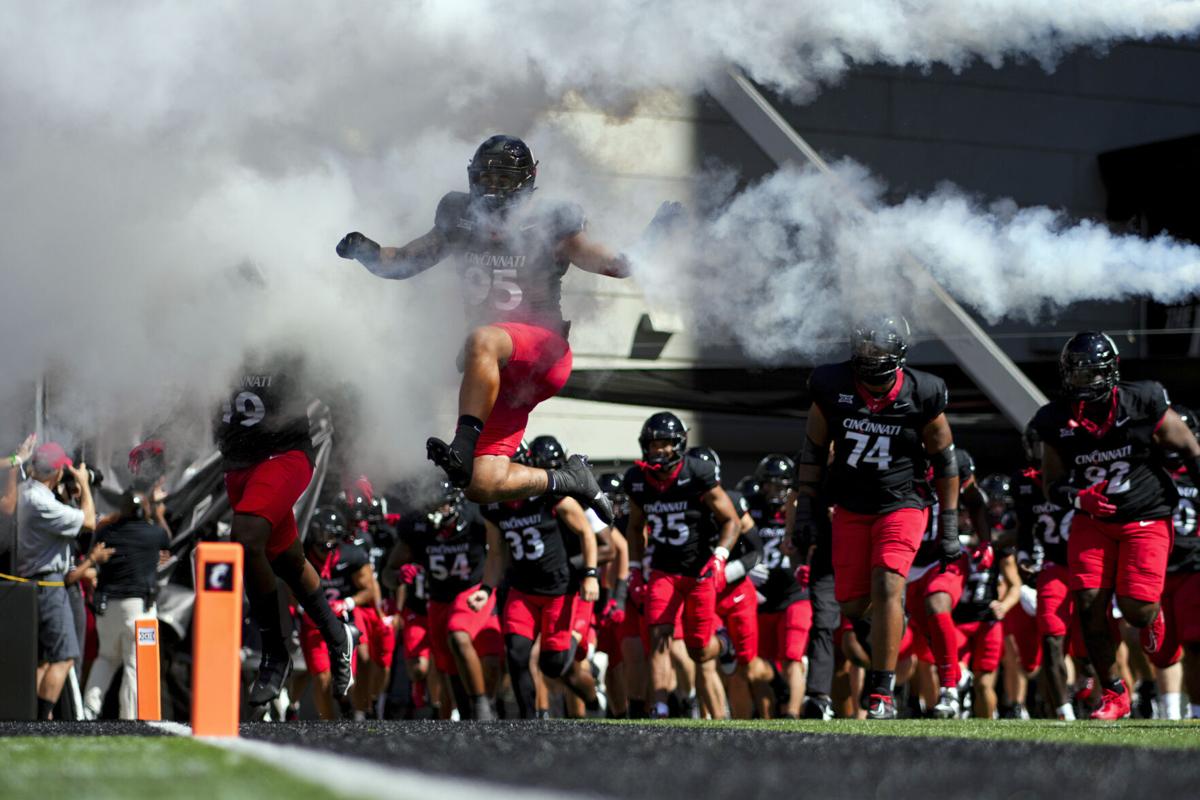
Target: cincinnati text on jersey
<point x="1102" y="456"/>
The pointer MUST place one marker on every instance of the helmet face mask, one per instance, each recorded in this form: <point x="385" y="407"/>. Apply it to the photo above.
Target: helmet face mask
<point x="501" y="171"/>
<point x="663" y="440"/>
<point x="613" y="485"/>
<point x="774" y="475"/>
<point x="1089" y="367"/>
<point x="445" y="509"/>
<point x="879" y="348"/>
<point x="326" y="529"/>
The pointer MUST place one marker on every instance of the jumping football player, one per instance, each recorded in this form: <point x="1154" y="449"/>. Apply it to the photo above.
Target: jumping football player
<point x="675" y="500"/>
<point x="263" y="432"/>
<point x="885" y="422"/>
<point x="511" y="254"/>
<point x="1103" y="442"/>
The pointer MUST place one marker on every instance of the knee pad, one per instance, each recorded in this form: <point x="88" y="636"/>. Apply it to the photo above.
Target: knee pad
<point x="556" y="663"/>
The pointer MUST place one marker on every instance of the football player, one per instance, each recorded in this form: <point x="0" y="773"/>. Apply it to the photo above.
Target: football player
<point x="349" y="584"/>
<point x="511" y="254"/>
<point x="737" y="606"/>
<point x="1102" y="447"/>
<point x="785" y="613"/>
<point x="450" y="543"/>
<point x="934" y="590"/>
<point x="540" y="601"/>
<point x="885" y="422"/>
<point x="263" y="433"/>
<point x="1181" y="595"/>
<point x="675" y="500"/>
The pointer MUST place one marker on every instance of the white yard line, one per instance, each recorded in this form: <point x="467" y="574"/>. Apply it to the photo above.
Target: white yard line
<point x="359" y="777"/>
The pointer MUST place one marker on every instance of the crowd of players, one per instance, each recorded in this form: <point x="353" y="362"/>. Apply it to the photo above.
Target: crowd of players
<point x="734" y="602"/>
<point x="872" y="561"/>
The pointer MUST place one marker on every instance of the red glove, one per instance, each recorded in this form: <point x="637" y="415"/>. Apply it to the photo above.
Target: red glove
<point x="612" y="614"/>
<point x="1093" y="501"/>
<point x="338" y="607"/>
<point x="715" y="570"/>
<point x="637" y="588"/>
<point x="802" y="573"/>
<point x="409" y="572"/>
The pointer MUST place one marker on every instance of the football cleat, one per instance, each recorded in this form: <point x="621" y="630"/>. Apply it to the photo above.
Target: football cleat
<point x="817" y="706"/>
<point x="458" y="472"/>
<point x="341" y="663"/>
<point x="947" y="706"/>
<point x="273" y="672"/>
<point x="575" y="480"/>
<point x="1115" y="705"/>
<point x="881" y="706"/>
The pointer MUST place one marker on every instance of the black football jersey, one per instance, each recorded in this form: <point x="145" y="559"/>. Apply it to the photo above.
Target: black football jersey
<point x="1041" y="523"/>
<point x="337" y="568"/>
<point x="535" y="544"/>
<point x="982" y="583"/>
<point x="453" y="558"/>
<point x="930" y="551"/>
<point x="879" y="457"/>
<point x="780" y="589"/>
<point x="678" y="522"/>
<point x="263" y="415"/>
<point x="511" y="271"/>
<point x="1123" y="452"/>
<point x="1185" y="553"/>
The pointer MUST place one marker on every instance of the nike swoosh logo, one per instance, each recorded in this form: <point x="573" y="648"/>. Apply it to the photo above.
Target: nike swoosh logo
<point x="1120" y="422"/>
<point x="1145" y="523"/>
<point x="739" y="598"/>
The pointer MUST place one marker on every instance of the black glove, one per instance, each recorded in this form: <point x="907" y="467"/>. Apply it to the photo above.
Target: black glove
<point x="667" y="219"/>
<point x="355" y="245"/>
<point x="948" y="536"/>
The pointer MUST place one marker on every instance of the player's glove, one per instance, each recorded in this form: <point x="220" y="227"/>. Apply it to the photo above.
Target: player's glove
<point x="714" y="570"/>
<point x="802" y="575"/>
<point x="612" y="614"/>
<point x="355" y="245"/>
<point x="667" y="219"/>
<point x="804" y="532"/>
<point x="1094" y="502"/>
<point x="951" y="547"/>
<point x="339" y="609"/>
<point x="409" y="573"/>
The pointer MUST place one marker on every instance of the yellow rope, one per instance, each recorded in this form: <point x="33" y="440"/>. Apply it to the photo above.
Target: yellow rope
<point x="30" y="580"/>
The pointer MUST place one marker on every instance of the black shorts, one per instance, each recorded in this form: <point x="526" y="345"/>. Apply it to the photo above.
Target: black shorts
<point x="57" y="639"/>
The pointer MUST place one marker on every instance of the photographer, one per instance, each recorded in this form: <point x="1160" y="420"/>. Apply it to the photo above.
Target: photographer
<point x="46" y="530"/>
<point x="125" y="591"/>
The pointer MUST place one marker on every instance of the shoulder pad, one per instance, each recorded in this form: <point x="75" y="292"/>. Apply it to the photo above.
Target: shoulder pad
<point x="450" y="211"/>
<point x="929" y="392"/>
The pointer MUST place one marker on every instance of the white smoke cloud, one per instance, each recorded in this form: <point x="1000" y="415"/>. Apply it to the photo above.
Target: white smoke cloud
<point x="799" y="253"/>
<point x="148" y="149"/>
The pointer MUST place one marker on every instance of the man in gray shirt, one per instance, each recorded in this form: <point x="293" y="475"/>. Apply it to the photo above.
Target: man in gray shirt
<point x="46" y="530"/>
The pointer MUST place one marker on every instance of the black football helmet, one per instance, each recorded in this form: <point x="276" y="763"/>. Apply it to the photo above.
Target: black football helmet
<point x="775" y="475"/>
<point x="546" y="452"/>
<point x="326" y="528"/>
<point x="1089" y="366"/>
<point x="446" y="505"/>
<point x="878" y="347"/>
<point x="1031" y="442"/>
<point x="748" y="485"/>
<point x="998" y="488"/>
<point x="502" y="170"/>
<point x="522" y="454"/>
<point x="705" y="453"/>
<point x="613" y="485"/>
<point x="663" y="426"/>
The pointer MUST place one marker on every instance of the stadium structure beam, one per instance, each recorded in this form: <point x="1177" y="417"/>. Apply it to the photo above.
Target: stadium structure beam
<point x="991" y="369"/>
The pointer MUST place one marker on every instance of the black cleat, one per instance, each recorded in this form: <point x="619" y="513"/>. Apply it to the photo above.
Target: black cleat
<point x="458" y="472"/>
<point x="273" y="672"/>
<point x="881" y="706"/>
<point x="575" y="480"/>
<point x="817" y="706"/>
<point x="341" y="662"/>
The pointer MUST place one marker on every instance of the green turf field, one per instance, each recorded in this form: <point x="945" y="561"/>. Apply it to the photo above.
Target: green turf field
<point x="128" y="767"/>
<point x="1126" y="733"/>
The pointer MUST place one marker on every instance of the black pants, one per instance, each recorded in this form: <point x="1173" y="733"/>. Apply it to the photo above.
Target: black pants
<point x="827" y="615"/>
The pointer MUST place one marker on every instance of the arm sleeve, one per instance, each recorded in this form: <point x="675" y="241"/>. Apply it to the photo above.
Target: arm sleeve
<point x="754" y="549"/>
